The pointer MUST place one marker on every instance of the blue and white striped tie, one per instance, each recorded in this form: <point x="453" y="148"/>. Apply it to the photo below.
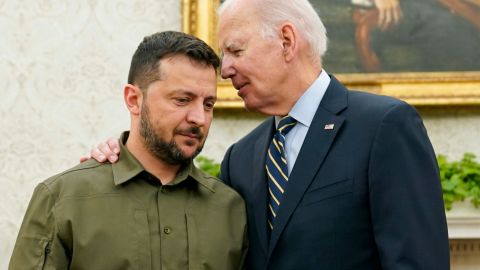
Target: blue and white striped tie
<point x="276" y="166"/>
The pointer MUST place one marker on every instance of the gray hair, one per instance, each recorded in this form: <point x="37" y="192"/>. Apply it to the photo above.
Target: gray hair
<point x="300" y="13"/>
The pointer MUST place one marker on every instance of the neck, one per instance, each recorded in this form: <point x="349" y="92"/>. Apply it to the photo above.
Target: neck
<point x="295" y="86"/>
<point x="160" y="169"/>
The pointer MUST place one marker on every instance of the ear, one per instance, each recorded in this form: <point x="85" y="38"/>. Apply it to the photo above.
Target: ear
<point x="133" y="97"/>
<point x="288" y="35"/>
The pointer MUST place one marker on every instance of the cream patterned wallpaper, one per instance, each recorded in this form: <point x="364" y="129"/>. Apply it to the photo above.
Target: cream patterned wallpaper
<point x="62" y="67"/>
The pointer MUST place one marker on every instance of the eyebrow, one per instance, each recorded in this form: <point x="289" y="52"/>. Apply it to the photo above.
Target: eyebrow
<point x="191" y="94"/>
<point x="229" y="47"/>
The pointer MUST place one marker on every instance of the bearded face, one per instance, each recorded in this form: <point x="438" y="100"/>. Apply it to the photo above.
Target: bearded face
<point x="162" y="148"/>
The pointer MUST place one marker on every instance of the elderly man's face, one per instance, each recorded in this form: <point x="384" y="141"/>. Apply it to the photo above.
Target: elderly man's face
<point x="255" y="64"/>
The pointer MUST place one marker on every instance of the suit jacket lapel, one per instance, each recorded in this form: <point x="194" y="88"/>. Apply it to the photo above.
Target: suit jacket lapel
<point x="259" y="187"/>
<point x="314" y="150"/>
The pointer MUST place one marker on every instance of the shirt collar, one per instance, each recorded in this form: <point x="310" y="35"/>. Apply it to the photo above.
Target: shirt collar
<point x="127" y="167"/>
<point x="304" y="109"/>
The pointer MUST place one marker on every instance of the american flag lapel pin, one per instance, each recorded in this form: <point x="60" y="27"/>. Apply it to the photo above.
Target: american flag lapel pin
<point x="329" y="126"/>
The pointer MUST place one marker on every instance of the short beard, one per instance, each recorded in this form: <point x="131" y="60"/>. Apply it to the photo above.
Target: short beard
<point x="163" y="150"/>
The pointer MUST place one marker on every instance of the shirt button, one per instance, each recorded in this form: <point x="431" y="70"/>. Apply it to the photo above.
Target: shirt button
<point x="163" y="190"/>
<point x="167" y="230"/>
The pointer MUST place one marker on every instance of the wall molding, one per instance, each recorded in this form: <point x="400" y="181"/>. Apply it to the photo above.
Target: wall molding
<point x="463" y="221"/>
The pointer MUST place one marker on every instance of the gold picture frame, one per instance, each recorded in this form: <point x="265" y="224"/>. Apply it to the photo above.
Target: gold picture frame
<point x="421" y="89"/>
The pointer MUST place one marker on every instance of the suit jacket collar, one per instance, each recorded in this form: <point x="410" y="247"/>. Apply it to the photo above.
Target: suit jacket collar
<point x="314" y="150"/>
<point x="335" y="99"/>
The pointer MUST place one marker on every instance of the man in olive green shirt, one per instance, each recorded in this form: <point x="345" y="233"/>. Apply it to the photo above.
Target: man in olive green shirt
<point x="153" y="209"/>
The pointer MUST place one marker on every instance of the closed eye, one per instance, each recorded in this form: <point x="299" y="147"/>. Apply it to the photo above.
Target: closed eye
<point x="237" y="53"/>
<point x="182" y="100"/>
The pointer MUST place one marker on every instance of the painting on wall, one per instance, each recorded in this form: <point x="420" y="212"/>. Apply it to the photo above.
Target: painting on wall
<point x="401" y="35"/>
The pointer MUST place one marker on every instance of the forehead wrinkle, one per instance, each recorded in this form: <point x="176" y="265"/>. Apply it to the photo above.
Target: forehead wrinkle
<point x="191" y="93"/>
<point x="184" y="92"/>
<point x="236" y="30"/>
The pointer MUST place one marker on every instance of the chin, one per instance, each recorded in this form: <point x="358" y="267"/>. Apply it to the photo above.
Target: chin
<point x="251" y="106"/>
<point x="189" y="151"/>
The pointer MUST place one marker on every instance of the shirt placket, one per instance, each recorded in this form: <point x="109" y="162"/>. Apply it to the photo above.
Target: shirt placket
<point x="172" y="226"/>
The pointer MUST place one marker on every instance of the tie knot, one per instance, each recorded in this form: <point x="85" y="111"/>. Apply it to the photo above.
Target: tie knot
<point x="286" y="124"/>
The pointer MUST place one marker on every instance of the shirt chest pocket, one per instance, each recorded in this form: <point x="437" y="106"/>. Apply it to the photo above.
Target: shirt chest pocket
<point x="106" y="226"/>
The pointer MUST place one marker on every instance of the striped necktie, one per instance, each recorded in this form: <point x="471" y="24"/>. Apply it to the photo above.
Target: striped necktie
<point x="276" y="166"/>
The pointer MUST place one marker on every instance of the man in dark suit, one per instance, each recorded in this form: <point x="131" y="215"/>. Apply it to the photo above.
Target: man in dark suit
<point x="335" y="179"/>
<point x="361" y="189"/>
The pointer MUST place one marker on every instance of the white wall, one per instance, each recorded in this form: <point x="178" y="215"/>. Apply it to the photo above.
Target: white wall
<point x="62" y="67"/>
<point x="454" y="132"/>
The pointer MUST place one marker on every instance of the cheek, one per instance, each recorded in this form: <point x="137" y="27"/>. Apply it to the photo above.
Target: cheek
<point x="206" y="129"/>
<point x="166" y="126"/>
<point x="208" y="122"/>
<point x="272" y="79"/>
<point x="257" y="73"/>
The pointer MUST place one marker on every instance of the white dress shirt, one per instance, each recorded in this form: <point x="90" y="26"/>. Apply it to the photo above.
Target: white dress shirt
<point x="303" y="111"/>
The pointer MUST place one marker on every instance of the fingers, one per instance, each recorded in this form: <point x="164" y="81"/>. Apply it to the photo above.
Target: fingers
<point x="105" y="151"/>
<point x="113" y="144"/>
<point x="397" y="15"/>
<point x="85" y="158"/>
<point x="97" y="154"/>
<point x="381" y="18"/>
<point x="389" y="13"/>
<point x="108" y="152"/>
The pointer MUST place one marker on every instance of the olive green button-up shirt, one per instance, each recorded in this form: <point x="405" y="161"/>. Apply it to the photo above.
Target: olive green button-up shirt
<point x="118" y="216"/>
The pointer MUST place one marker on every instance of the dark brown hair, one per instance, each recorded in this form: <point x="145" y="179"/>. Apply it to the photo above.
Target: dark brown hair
<point x="145" y="65"/>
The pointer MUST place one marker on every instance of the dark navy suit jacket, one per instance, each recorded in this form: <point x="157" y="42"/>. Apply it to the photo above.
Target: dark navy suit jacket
<point x="363" y="195"/>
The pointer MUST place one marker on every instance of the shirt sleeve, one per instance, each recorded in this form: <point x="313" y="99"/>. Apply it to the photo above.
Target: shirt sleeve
<point x="243" y="264"/>
<point x="37" y="245"/>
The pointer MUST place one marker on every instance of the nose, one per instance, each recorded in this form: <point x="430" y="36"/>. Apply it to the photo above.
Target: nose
<point x="197" y="115"/>
<point x="227" y="70"/>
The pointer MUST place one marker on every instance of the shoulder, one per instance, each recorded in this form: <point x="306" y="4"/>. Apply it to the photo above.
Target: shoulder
<point x="83" y="179"/>
<point x="373" y="101"/>
<point x="378" y="107"/>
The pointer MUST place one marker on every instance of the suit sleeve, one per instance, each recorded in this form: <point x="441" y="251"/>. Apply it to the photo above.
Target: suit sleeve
<point x="406" y="202"/>
<point x="224" y="169"/>
<point x="37" y="246"/>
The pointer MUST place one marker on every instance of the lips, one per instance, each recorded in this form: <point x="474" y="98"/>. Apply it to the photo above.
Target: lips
<point x="240" y="88"/>
<point x="192" y="132"/>
<point x="191" y="135"/>
<point x="238" y="85"/>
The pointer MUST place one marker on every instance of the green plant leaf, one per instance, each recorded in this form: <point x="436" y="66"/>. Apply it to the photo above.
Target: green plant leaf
<point x="208" y="165"/>
<point x="460" y="180"/>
